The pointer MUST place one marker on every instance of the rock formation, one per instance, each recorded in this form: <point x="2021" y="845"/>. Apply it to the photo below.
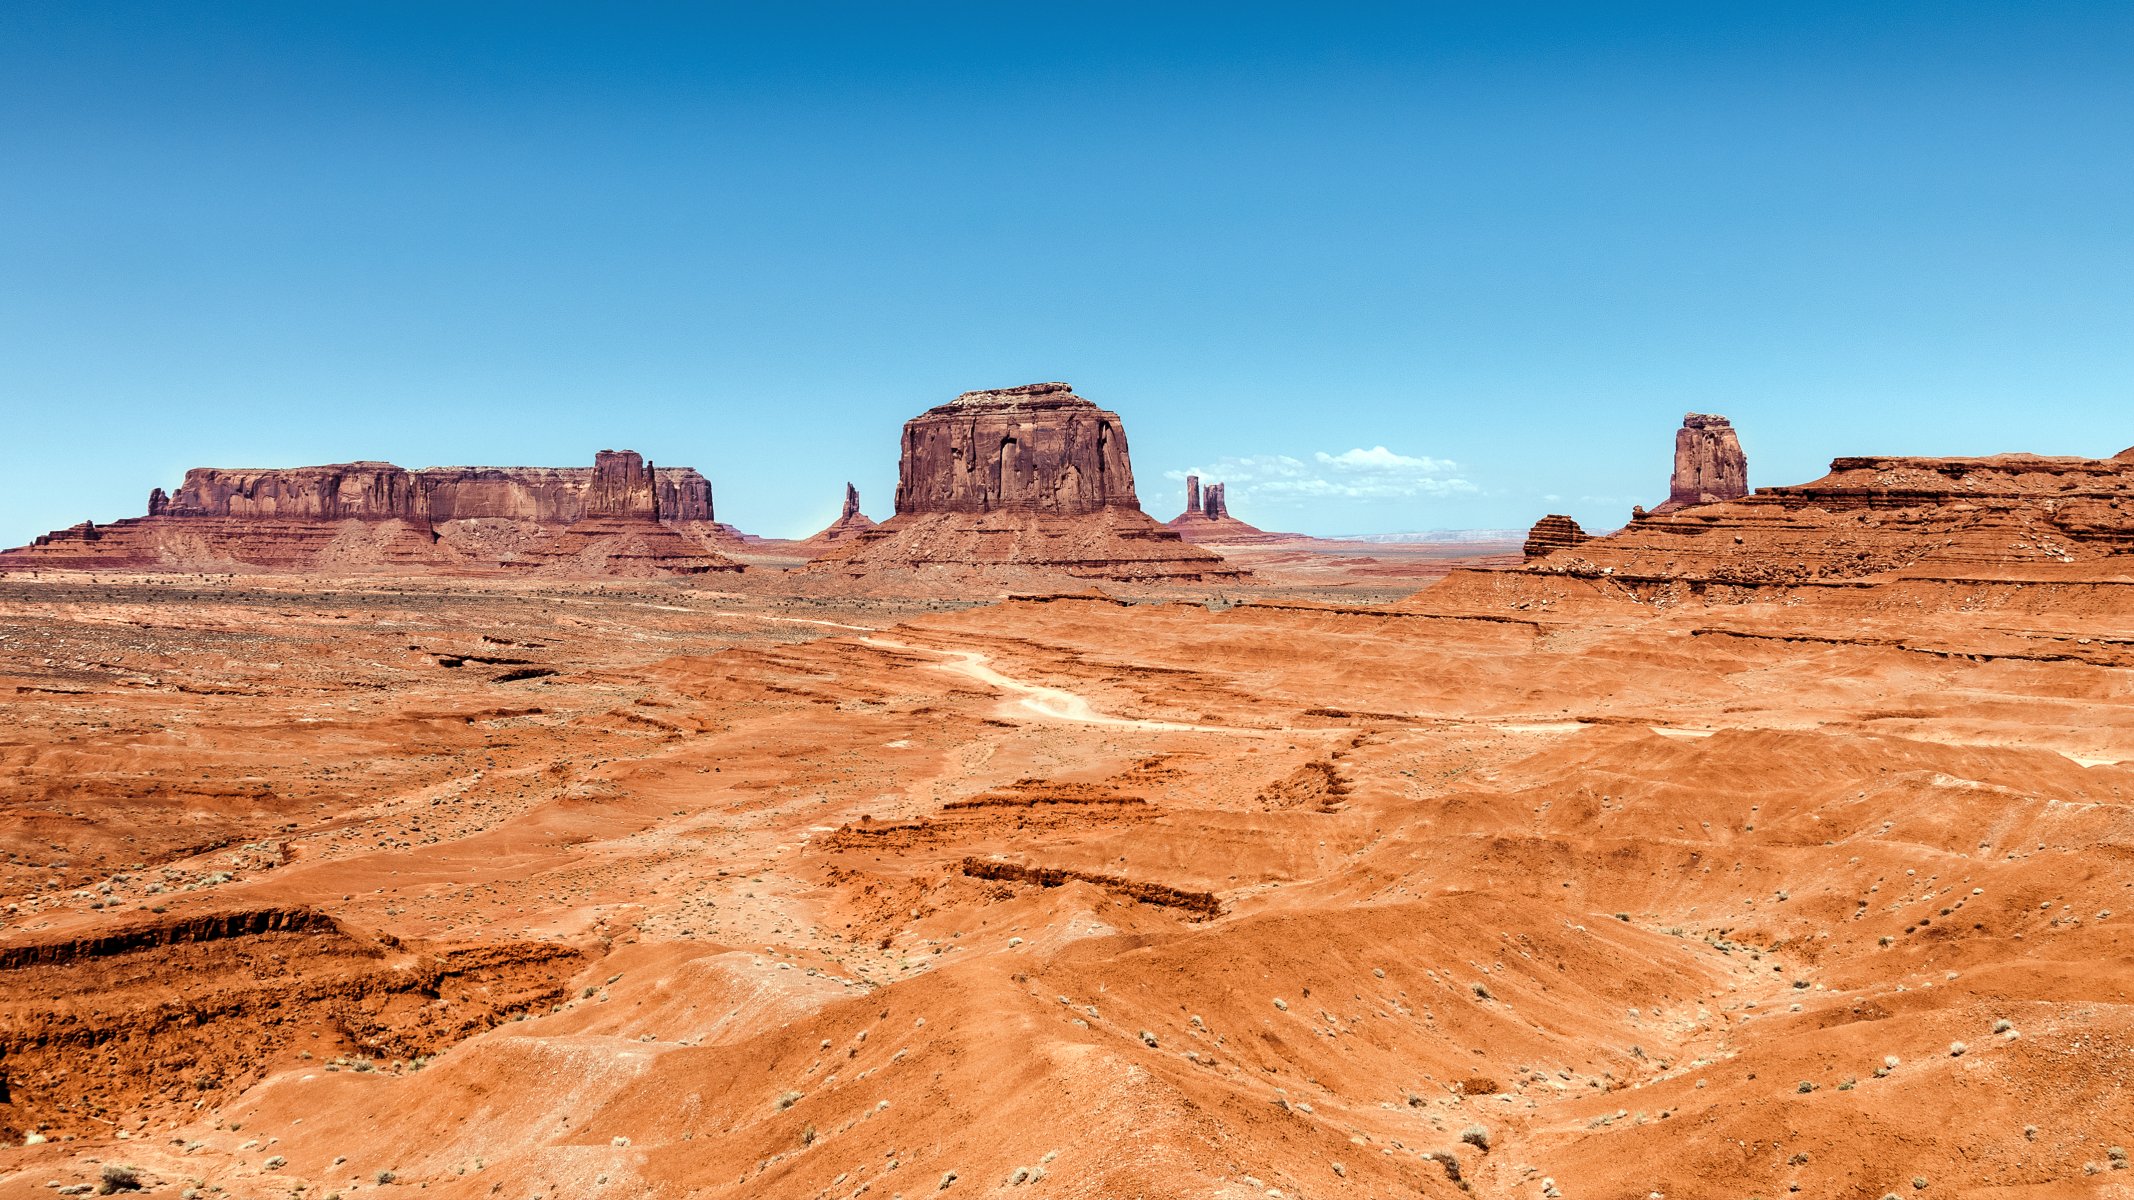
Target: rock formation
<point x="1036" y="448"/>
<point x="1709" y="464"/>
<point x="1207" y="519"/>
<point x="1217" y="505"/>
<point x="1033" y="478"/>
<point x="380" y="491"/>
<point x="376" y="516"/>
<point x="1870" y="521"/>
<point x="1551" y="533"/>
<point x="850" y="523"/>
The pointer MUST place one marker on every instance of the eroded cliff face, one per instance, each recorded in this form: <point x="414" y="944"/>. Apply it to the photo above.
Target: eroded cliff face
<point x="382" y="491"/>
<point x="1038" y="448"/>
<point x="1031" y="479"/>
<point x="1709" y="463"/>
<point x="607" y="519"/>
<point x="1872" y="520"/>
<point x="1552" y="533"/>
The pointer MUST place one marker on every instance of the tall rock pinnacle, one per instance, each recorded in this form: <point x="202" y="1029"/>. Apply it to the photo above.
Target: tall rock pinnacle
<point x="1709" y="464"/>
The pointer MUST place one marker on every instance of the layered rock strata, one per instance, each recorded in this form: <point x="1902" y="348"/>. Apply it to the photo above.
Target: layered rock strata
<point x="1870" y="521"/>
<point x="1709" y="464"/>
<point x="1034" y="478"/>
<point x="611" y="518"/>
<point x="1552" y="533"/>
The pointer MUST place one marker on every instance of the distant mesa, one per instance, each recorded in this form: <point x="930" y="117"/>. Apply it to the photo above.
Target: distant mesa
<point x="1552" y="533"/>
<point x="1709" y="464"/>
<point x="1032" y="477"/>
<point x="1207" y="519"/>
<point x="621" y="516"/>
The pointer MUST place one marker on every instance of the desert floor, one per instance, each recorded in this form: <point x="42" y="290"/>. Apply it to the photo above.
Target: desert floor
<point x="662" y="890"/>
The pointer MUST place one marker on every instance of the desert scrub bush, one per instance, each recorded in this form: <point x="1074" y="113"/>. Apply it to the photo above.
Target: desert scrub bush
<point x="384" y="1177"/>
<point x="1804" y="1087"/>
<point x="789" y="1100"/>
<point x="115" y="1178"/>
<point x="1480" y="989"/>
<point x="1476" y="1136"/>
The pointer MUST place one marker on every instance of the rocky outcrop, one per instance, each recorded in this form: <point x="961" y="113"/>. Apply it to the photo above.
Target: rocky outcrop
<point x="1037" y="448"/>
<point x="850" y="523"/>
<point x="375" y="516"/>
<point x="1870" y="521"/>
<point x="621" y="487"/>
<point x="382" y="491"/>
<point x="1030" y="479"/>
<point x="1552" y="533"/>
<point x="1207" y="519"/>
<point x="1709" y="464"/>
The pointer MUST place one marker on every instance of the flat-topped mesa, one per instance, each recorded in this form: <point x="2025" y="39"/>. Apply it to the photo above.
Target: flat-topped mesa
<point x="1031" y="479"/>
<point x="381" y="491"/>
<point x="373" y="491"/>
<point x="1709" y="464"/>
<point x="1552" y="533"/>
<point x="1036" y="448"/>
<point x="375" y="516"/>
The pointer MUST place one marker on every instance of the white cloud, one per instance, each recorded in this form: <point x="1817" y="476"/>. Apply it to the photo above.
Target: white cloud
<point x="1357" y="474"/>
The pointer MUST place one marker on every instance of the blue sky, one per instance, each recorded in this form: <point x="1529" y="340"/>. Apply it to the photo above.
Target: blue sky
<point x="1387" y="268"/>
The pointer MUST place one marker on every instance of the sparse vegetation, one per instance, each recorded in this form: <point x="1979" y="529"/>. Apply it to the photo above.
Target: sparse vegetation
<point x="117" y="1177"/>
<point x="1476" y="1136"/>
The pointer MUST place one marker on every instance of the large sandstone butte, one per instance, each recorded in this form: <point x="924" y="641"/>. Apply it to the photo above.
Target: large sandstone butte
<point x="1036" y="448"/>
<point x="1709" y="464"/>
<point x="1031" y="478"/>
<point x="616" y="517"/>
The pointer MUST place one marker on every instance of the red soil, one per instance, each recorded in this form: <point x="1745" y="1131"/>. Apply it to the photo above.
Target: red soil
<point x="661" y="890"/>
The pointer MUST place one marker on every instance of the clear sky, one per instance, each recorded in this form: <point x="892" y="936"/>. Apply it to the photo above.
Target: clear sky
<point x="1385" y="268"/>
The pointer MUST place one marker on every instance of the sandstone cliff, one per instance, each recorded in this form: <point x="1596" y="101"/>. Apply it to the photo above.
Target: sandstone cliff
<point x="382" y="491"/>
<point x="1031" y="478"/>
<point x="374" y="516"/>
<point x="1036" y="448"/>
<point x="1552" y="533"/>
<point x="1709" y="464"/>
<point x="1870" y="521"/>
